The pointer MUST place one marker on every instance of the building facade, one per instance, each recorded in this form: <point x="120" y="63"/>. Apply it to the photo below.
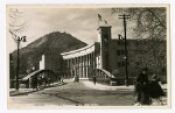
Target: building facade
<point x="109" y="54"/>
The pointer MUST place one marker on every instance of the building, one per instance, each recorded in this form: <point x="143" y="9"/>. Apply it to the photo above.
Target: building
<point x="108" y="55"/>
<point x="105" y="60"/>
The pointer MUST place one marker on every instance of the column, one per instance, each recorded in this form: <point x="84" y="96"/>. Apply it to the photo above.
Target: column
<point x="81" y="60"/>
<point x="92" y="60"/>
<point x="70" y="68"/>
<point x="67" y="71"/>
<point x="85" y="66"/>
<point x="75" y="66"/>
<point x="78" y="62"/>
<point x="89" y="64"/>
<point x="65" y="67"/>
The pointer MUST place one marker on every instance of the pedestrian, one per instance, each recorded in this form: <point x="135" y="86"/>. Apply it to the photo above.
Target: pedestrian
<point x="94" y="80"/>
<point x="142" y="88"/>
<point x="34" y="83"/>
<point x="39" y="82"/>
<point x="156" y="92"/>
<point x="49" y="81"/>
<point x="76" y="78"/>
<point x="61" y="79"/>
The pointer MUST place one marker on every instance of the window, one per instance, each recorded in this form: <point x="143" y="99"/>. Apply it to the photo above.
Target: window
<point x="118" y="42"/>
<point x="105" y="36"/>
<point x="123" y="52"/>
<point x="137" y="63"/>
<point x="119" y="64"/>
<point x="120" y="52"/>
<point x="121" y="42"/>
<point x="162" y="57"/>
<point x="123" y="63"/>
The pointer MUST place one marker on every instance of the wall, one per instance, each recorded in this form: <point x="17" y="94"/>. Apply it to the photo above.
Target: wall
<point x="141" y="53"/>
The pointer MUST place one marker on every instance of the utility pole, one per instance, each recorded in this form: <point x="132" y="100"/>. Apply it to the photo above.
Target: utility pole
<point x="17" y="67"/>
<point x="124" y="17"/>
<point x="17" y="39"/>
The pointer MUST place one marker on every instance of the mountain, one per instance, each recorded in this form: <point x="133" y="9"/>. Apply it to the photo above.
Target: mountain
<point x="50" y="45"/>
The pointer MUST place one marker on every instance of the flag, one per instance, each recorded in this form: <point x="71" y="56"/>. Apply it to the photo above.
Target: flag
<point x="99" y="17"/>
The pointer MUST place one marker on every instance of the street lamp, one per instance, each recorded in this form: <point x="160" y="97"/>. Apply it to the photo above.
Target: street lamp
<point x="17" y="39"/>
<point x="125" y="58"/>
<point x="125" y="17"/>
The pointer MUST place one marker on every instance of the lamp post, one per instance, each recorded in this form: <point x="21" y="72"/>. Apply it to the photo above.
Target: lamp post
<point x="125" y="58"/>
<point x="125" y="17"/>
<point x="17" y="39"/>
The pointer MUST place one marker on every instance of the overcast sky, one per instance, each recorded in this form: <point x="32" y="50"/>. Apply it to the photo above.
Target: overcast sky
<point x="79" y="22"/>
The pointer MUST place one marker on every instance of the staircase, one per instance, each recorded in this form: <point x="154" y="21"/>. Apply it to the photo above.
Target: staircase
<point x="103" y="77"/>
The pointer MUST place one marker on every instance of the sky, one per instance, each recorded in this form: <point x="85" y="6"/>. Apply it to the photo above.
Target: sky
<point x="82" y="23"/>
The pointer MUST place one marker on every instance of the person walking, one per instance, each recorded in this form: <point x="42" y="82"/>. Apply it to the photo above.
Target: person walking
<point x="62" y="79"/>
<point x="94" y="79"/>
<point x="34" y="83"/>
<point x="76" y="78"/>
<point x="156" y="92"/>
<point x="142" y="88"/>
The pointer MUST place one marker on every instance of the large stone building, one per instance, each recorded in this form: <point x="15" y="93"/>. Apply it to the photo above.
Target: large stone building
<point x="109" y="55"/>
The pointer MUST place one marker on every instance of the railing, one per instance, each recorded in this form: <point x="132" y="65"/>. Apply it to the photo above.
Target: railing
<point x="40" y="78"/>
<point x="102" y="76"/>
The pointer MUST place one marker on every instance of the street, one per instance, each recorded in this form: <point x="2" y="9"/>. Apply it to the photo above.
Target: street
<point x="75" y="94"/>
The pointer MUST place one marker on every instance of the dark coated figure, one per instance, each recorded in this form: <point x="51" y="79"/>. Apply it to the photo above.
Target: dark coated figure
<point x="94" y="80"/>
<point x="156" y="92"/>
<point x="142" y="88"/>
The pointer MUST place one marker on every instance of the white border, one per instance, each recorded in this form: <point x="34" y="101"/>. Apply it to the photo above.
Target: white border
<point x="3" y="65"/>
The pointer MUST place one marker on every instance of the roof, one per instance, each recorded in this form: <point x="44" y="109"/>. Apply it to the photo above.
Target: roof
<point x="31" y="74"/>
<point x="79" y="52"/>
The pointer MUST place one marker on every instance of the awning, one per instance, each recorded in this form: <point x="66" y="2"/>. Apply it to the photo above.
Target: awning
<point x="31" y="74"/>
<point x="79" y="52"/>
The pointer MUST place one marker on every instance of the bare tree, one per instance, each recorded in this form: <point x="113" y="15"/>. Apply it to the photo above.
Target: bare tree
<point x="16" y="22"/>
<point x="150" y="24"/>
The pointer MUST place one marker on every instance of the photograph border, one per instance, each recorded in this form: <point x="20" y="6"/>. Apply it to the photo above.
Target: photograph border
<point x="169" y="56"/>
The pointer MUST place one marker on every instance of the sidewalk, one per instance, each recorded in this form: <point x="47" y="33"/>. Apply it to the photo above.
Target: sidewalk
<point x="88" y="84"/>
<point x="25" y="91"/>
<point x="103" y="87"/>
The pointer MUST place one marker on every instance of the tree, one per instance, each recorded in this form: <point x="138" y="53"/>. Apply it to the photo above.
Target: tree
<point x="150" y="24"/>
<point x="16" y="22"/>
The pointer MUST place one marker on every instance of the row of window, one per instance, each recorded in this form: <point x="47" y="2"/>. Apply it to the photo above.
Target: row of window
<point x="120" y="52"/>
<point x="122" y="64"/>
<point x="137" y="43"/>
<point x="121" y="43"/>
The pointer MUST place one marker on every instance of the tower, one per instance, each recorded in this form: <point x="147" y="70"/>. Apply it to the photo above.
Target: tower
<point x="104" y="38"/>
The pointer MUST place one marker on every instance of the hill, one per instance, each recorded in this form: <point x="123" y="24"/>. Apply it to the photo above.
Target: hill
<point x="51" y="45"/>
